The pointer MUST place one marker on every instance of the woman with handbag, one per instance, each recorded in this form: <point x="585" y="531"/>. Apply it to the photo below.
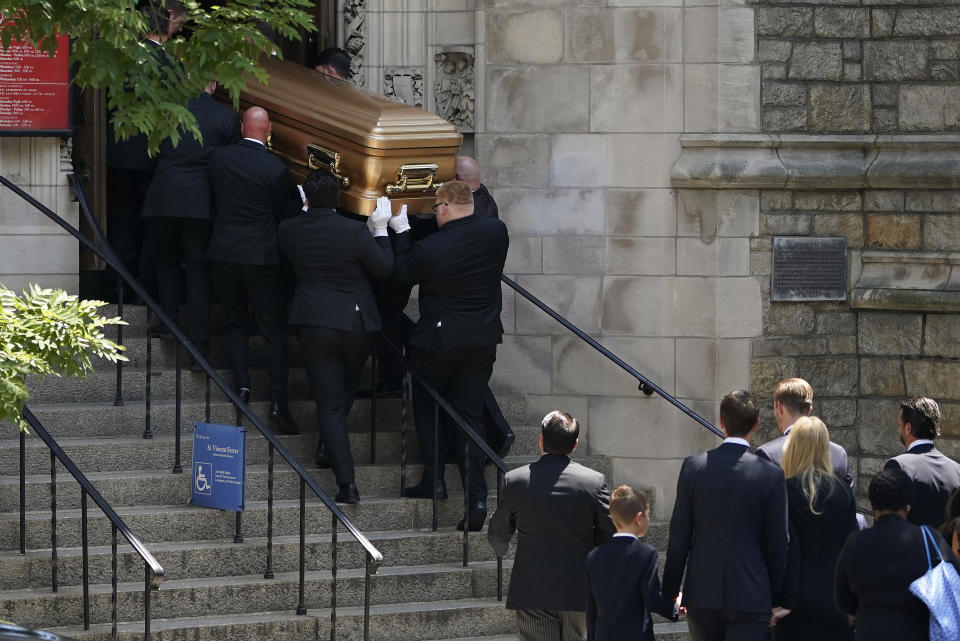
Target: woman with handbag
<point x="877" y="565"/>
<point x="822" y="513"/>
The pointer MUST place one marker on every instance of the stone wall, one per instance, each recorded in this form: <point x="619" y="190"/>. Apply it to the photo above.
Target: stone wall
<point x="851" y="66"/>
<point x="33" y="249"/>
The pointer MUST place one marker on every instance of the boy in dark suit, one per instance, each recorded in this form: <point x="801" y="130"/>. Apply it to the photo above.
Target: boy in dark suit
<point x="622" y="584"/>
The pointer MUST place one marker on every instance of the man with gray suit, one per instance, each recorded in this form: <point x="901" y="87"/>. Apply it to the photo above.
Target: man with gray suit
<point x="560" y="511"/>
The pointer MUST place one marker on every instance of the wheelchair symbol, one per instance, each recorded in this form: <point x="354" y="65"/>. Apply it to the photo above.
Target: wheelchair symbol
<point x="202" y="475"/>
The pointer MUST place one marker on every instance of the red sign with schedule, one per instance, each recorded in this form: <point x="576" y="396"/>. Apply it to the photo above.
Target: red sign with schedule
<point x="34" y="88"/>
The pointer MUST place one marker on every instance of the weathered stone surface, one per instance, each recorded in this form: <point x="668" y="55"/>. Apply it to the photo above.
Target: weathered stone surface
<point x="515" y="160"/>
<point x="525" y="255"/>
<point x="788" y="319"/>
<point x="574" y="254"/>
<point x="787" y="22"/>
<point x="553" y="211"/>
<point x="827" y="200"/>
<point x="783" y="94"/>
<point x="840" y="108"/>
<point x="524" y="363"/>
<point x="893" y="231"/>
<point x="852" y="71"/>
<point x="613" y="160"/>
<point x="942" y="336"/>
<point x="538" y="99"/>
<point x="945" y="49"/>
<point x="721" y="97"/>
<point x="883" y="199"/>
<point x="776" y="199"/>
<point x="641" y="212"/>
<point x="640" y="256"/>
<point x="938" y="21"/>
<point x="773" y="71"/>
<point x="789" y="346"/>
<point x="937" y="379"/>
<point x="579" y="369"/>
<point x="830" y="22"/>
<point x="947" y="201"/>
<point x="883" y="334"/>
<point x="849" y="226"/>
<point x="885" y="95"/>
<point x="761" y="263"/>
<point x="830" y="376"/>
<point x="837" y="412"/>
<point x="919" y="200"/>
<point x="769" y="50"/>
<point x="713" y="256"/>
<point x="575" y="297"/>
<point x="881" y="22"/>
<point x="877" y="426"/>
<point x="929" y="107"/>
<point x="636" y="98"/>
<point x="718" y="34"/>
<point x="884" y="120"/>
<point x="765" y="373"/>
<point x="894" y="60"/>
<point x="852" y="51"/>
<point x="817" y="61"/>
<point x="941" y="231"/>
<point x="881" y="377"/>
<point x="709" y="213"/>
<point x="787" y="224"/>
<point x="781" y="119"/>
<point x="624" y="35"/>
<point x="836" y="323"/>
<point x="842" y="344"/>
<point x="529" y="37"/>
<point x="945" y="71"/>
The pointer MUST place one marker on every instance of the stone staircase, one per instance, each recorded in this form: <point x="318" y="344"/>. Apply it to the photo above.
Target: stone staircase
<point x="214" y="588"/>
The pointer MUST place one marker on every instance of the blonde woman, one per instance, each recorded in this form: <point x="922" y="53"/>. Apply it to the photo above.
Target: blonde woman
<point x="822" y="513"/>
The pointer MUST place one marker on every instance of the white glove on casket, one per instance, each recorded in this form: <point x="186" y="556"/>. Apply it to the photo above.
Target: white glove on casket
<point x="400" y="223"/>
<point x="380" y="217"/>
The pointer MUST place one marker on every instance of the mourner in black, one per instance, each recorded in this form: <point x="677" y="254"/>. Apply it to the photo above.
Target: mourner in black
<point x="252" y="193"/>
<point x="129" y="167"/>
<point x="333" y="259"/>
<point x="876" y="566"/>
<point x="935" y="476"/>
<point x="333" y="62"/>
<point x="454" y="343"/>
<point x="729" y="531"/>
<point x="468" y="171"/>
<point x="177" y="215"/>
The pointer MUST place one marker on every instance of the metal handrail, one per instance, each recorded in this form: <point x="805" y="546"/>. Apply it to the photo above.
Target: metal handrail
<point x="153" y="571"/>
<point x="103" y="249"/>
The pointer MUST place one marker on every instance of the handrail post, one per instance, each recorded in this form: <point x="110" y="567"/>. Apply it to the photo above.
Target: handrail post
<point x="366" y="600"/>
<point x="147" y="434"/>
<point x="404" y="399"/>
<point x="373" y="406"/>
<point x="269" y="572"/>
<point x="301" y="605"/>
<point x="85" y="542"/>
<point x="436" y="462"/>
<point x="466" y="500"/>
<point x="114" y="618"/>
<point x="499" y="556"/>
<point x="146" y="601"/>
<point x="23" y="492"/>
<point x="118" y="400"/>
<point x="333" y="581"/>
<point x="178" y="405"/>
<point x="53" y="521"/>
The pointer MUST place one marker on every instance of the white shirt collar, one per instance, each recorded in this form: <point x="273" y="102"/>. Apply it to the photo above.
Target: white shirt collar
<point x="734" y="440"/>
<point x="919" y="442"/>
<point x="625" y="535"/>
<point x="259" y="142"/>
<point x="789" y="427"/>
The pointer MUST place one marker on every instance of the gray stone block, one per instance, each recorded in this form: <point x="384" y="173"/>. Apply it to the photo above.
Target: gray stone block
<point x="515" y="160"/>
<point x="932" y="21"/>
<point x="882" y="334"/>
<point x="897" y="60"/>
<point x="524" y="256"/>
<point x="579" y="369"/>
<point x="635" y="98"/>
<point x="840" y="108"/>
<point x="789" y="346"/>
<point x="942" y="336"/>
<point x="781" y="119"/>
<point x="945" y="71"/>
<point x="648" y="34"/>
<point x="641" y="212"/>
<point x="940" y="231"/>
<point x="789" y="319"/>
<point x="929" y="107"/>
<point x="787" y="224"/>
<point x="842" y="344"/>
<point x="523" y="363"/>
<point x="849" y="226"/>
<point x="936" y="379"/>
<point x="574" y="254"/>
<point x="664" y="306"/>
<point x="613" y="160"/>
<point x="713" y="256"/>
<point x="769" y="50"/>
<point x="785" y="22"/>
<point x="848" y="201"/>
<point x="783" y="94"/>
<point x="526" y="37"/>
<point x="765" y="373"/>
<point x="945" y="49"/>
<point x="538" y="99"/>
<point x="638" y="256"/>
<point x="883" y="200"/>
<point x="852" y="71"/>
<point x="817" y="61"/>
<point x="836" y="323"/>
<point x="575" y="297"/>
<point x="830" y="376"/>
<point x="837" y="411"/>
<point x="881" y="377"/>
<point x="544" y="212"/>
<point x="773" y="200"/>
<point x="881" y="22"/>
<point x="773" y="71"/>
<point x="852" y="51"/>
<point x="727" y="213"/>
<point x="834" y="22"/>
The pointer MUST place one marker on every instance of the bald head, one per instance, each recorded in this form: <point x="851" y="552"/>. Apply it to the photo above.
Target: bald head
<point x="255" y="124"/>
<point x="468" y="171"/>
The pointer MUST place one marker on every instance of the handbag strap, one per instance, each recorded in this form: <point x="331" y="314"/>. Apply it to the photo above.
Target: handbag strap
<point x="928" y="542"/>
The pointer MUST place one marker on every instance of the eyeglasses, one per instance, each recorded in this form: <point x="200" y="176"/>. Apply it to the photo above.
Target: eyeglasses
<point x="437" y="205"/>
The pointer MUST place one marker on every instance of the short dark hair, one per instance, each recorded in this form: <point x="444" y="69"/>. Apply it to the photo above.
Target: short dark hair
<point x="890" y="490"/>
<point x="157" y="13"/>
<point x="923" y="414"/>
<point x="625" y="503"/>
<point x="322" y="189"/>
<point x="738" y="413"/>
<point x="560" y="432"/>
<point x="336" y="58"/>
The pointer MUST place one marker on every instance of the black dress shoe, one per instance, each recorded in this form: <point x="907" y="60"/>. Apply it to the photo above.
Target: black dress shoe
<point x="320" y="458"/>
<point x="476" y="515"/>
<point x="383" y="391"/>
<point x="422" y="490"/>
<point x="281" y="420"/>
<point x="348" y="494"/>
<point x="244" y="394"/>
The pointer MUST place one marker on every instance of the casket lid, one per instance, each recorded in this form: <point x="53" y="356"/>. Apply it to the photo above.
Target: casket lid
<point x="339" y="108"/>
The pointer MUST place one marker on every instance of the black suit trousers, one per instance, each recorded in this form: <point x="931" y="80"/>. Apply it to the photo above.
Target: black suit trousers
<point x="728" y="625"/>
<point x="126" y="191"/>
<point x="263" y="287"/>
<point x="334" y="361"/>
<point x="167" y="242"/>
<point x="461" y="377"/>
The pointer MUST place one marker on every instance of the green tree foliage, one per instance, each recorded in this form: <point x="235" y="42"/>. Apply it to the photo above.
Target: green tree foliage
<point x="222" y="43"/>
<point x="47" y="332"/>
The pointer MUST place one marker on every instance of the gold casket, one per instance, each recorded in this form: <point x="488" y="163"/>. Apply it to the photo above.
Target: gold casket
<point x="374" y="146"/>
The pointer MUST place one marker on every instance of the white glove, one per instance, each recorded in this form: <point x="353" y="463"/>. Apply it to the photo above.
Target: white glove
<point x="380" y="218"/>
<point x="400" y="223"/>
<point x="303" y="198"/>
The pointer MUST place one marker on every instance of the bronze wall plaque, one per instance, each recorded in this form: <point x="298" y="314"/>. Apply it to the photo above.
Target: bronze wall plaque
<point x="809" y="269"/>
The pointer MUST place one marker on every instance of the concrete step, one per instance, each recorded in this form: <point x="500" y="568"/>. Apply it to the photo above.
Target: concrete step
<point x="113" y="454"/>
<point x="233" y="595"/>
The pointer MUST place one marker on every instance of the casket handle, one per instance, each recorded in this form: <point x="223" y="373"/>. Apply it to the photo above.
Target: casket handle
<point x="322" y="158"/>
<point x="414" y="178"/>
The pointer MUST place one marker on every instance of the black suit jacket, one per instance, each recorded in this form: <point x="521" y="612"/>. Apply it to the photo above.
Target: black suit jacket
<point x="560" y="511"/>
<point x="484" y="206"/>
<point x="252" y="193"/>
<point x="181" y="185"/>
<point x="458" y="270"/>
<point x="873" y="574"/>
<point x="622" y="590"/>
<point x="773" y="451"/>
<point x="333" y="259"/>
<point x="935" y="477"/>
<point x="729" y="529"/>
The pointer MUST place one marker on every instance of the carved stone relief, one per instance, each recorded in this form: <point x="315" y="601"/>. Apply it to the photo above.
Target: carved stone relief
<point x="354" y="21"/>
<point x="454" y="90"/>
<point x="404" y="84"/>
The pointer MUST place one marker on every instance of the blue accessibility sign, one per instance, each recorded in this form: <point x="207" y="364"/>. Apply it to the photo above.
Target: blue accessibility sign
<point x="219" y="466"/>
